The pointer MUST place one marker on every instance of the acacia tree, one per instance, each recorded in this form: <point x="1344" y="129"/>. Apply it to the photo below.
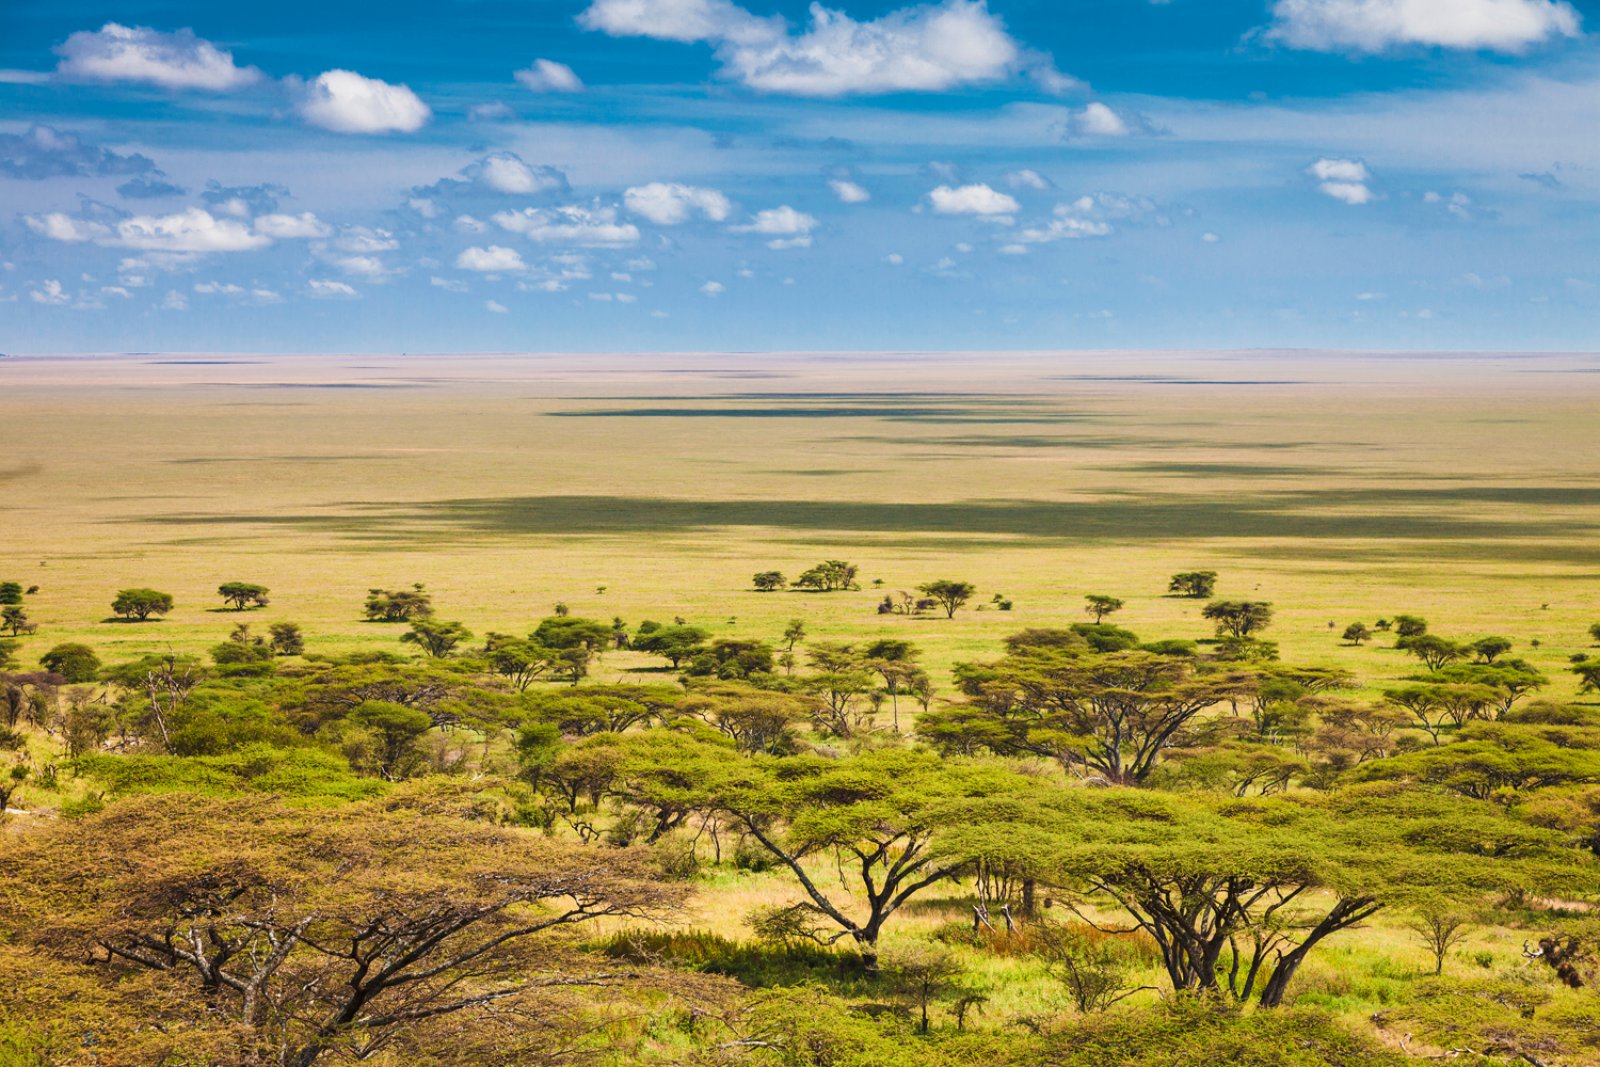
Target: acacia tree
<point x="1237" y="897"/>
<point x="286" y="639"/>
<point x="1112" y="713"/>
<point x="1197" y="585"/>
<point x="15" y="620"/>
<point x="347" y="931"/>
<point x="673" y="643"/>
<point x="1238" y="618"/>
<point x="243" y="595"/>
<point x="1434" y="651"/>
<point x="949" y="595"/>
<point x="398" y="605"/>
<point x="1100" y="606"/>
<point x="878" y="819"/>
<point x="1357" y="632"/>
<point x="139" y="604"/>
<point x="769" y="581"/>
<point x="828" y="576"/>
<point x="438" y="639"/>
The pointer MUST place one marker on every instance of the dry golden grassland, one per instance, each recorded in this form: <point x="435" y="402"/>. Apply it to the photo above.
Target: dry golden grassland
<point x="1338" y="486"/>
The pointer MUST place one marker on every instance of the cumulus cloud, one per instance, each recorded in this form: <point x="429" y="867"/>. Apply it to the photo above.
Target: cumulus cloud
<point x="975" y="199"/>
<point x="192" y="231"/>
<point x="46" y="152"/>
<point x="927" y="48"/>
<point x="548" y="76"/>
<point x="590" y="227"/>
<point x="139" y="54"/>
<point x="494" y="259"/>
<point x="495" y="306"/>
<point x="669" y="203"/>
<point x="345" y="102"/>
<point x="1344" y="180"/>
<point x="1369" y="26"/>
<point x="1097" y="120"/>
<point x="849" y="192"/>
<point x="505" y="172"/>
<point x="288" y="227"/>
<point x="787" y="227"/>
<point x="58" y="226"/>
<point x="713" y="288"/>
<point x="328" y="289"/>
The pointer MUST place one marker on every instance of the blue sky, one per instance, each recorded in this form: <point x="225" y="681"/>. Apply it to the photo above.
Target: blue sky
<point x="706" y="174"/>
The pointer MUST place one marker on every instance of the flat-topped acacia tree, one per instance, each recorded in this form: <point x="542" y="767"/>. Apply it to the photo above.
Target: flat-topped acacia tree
<point x="242" y="595"/>
<point x="139" y="604"/>
<point x="290" y="936"/>
<point x="1111" y="713"/>
<point x="1237" y="894"/>
<point x="879" y="819"/>
<point x="1197" y="585"/>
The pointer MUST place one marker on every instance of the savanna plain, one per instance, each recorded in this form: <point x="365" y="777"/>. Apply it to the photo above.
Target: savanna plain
<point x="1088" y="708"/>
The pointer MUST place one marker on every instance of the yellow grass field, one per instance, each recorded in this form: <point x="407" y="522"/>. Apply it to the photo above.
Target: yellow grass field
<point x="1337" y="486"/>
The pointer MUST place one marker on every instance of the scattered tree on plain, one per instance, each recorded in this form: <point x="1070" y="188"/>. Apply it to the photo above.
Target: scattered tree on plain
<point x="140" y="604"/>
<point x="949" y="595"/>
<point x="1198" y="585"/>
<point x="243" y="595"/>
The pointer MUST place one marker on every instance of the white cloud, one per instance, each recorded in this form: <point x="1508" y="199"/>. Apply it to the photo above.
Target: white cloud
<point x="679" y="20"/>
<point x="495" y="258"/>
<point x="1210" y="238"/>
<point x="61" y="227"/>
<point x="364" y="241"/>
<point x="1093" y="216"/>
<point x="713" y="288"/>
<point x="926" y="48"/>
<point x="287" y="227"/>
<point x="1344" y="180"/>
<point x="449" y="285"/>
<point x="1029" y="179"/>
<point x="194" y="230"/>
<point x="669" y="204"/>
<point x="1379" y="25"/>
<point x="174" y="301"/>
<point x="505" y="172"/>
<point x="1097" y="120"/>
<point x="139" y="54"/>
<point x="787" y="227"/>
<point x="976" y="199"/>
<point x="593" y="227"/>
<point x="468" y="224"/>
<point x="345" y="102"/>
<point x="1065" y="226"/>
<point x="894" y="259"/>
<point x="49" y="292"/>
<point x="849" y="192"/>
<point x="548" y="76"/>
<point x="495" y="306"/>
<point x="327" y="289"/>
<point x="361" y="266"/>
<point x="218" y="289"/>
